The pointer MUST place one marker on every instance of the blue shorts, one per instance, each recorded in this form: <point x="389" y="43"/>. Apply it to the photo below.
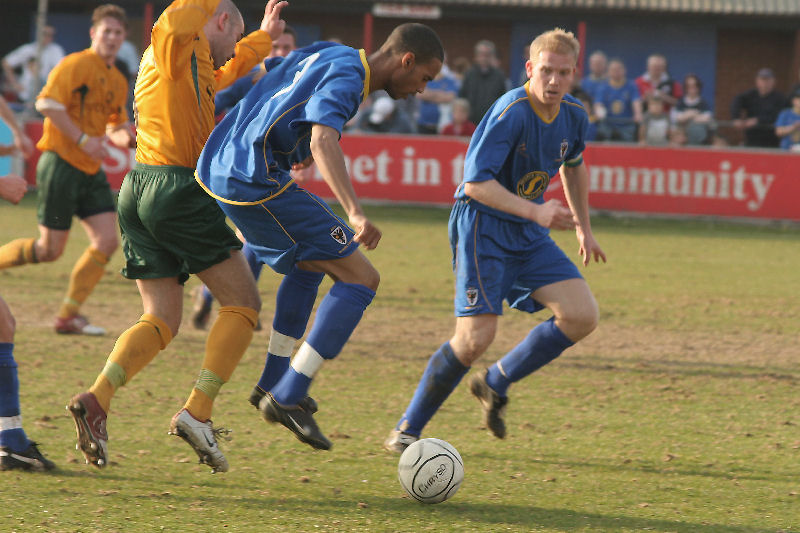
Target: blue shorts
<point x="294" y="226"/>
<point x="497" y="259"/>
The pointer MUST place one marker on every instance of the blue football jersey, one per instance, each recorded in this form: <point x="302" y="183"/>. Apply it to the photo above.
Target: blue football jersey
<point x="248" y="155"/>
<point x="517" y="147"/>
<point x="618" y="100"/>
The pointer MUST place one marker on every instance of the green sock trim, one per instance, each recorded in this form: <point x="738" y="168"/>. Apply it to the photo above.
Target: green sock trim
<point x="115" y="374"/>
<point x="209" y="383"/>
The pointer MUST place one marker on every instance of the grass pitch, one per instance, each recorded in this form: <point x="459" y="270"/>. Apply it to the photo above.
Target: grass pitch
<point x="680" y="413"/>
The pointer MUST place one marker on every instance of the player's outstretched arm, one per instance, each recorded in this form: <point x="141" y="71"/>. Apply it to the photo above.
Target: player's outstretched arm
<point x="576" y="189"/>
<point x="328" y="155"/>
<point x="551" y="214"/>
<point x="57" y="113"/>
<point x="12" y="188"/>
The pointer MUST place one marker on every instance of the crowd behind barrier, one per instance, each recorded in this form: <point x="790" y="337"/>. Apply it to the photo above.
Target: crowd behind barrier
<point x="651" y="110"/>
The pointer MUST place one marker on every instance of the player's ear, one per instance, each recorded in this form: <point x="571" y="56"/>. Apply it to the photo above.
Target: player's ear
<point x="529" y="68"/>
<point x="223" y="20"/>
<point x="408" y="60"/>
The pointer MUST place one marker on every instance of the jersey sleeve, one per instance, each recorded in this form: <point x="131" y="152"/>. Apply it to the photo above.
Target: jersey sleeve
<point x="574" y="156"/>
<point x="491" y="145"/>
<point x="174" y="32"/>
<point x="63" y="79"/>
<point x="249" y="52"/>
<point x="336" y="98"/>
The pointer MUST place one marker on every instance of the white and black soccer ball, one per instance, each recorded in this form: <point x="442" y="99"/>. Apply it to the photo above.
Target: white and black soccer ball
<point x="430" y="470"/>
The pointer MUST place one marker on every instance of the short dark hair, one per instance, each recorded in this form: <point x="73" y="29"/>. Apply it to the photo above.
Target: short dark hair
<point x="416" y="38"/>
<point x="290" y="31"/>
<point x="109" y="11"/>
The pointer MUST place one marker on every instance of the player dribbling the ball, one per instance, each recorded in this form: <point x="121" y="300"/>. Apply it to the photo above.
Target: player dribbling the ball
<point x="499" y="234"/>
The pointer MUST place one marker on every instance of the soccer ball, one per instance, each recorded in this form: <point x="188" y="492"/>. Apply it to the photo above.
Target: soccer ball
<point x="430" y="470"/>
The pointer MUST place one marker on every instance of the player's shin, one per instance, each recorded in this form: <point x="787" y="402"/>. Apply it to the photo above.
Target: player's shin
<point x="441" y="376"/>
<point x="293" y="305"/>
<point x="227" y="341"/>
<point x="11" y="433"/>
<point x="543" y="344"/>
<point x="134" y="350"/>
<point x="337" y="316"/>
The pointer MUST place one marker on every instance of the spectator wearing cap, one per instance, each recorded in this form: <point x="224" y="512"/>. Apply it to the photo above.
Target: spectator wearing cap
<point x="385" y="117"/>
<point x="756" y="110"/>
<point x="787" y="126"/>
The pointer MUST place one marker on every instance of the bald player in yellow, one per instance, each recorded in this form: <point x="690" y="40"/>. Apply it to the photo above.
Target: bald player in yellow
<point x="83" y="105"/>
<point x="170" y="227"/>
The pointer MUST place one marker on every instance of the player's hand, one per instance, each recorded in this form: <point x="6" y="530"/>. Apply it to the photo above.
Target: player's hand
<point x="589" y="248"/>
<point x="23" y="144"/>
<point x="366" y="233"/>
<point x="272" y="23"/>
<point x="552" y="214"/>
<point x="12" y="188"/>
<point x="96" y="148"/>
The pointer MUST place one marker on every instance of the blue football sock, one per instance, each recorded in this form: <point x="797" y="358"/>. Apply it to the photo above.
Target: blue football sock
<point x="293" y="305"/>
<point x="252" y="259"/>
<point x="11" y="432"/>
<point x="337" y="316"/>
<point x="443" y="373"/>
<point x="543" y="344"/>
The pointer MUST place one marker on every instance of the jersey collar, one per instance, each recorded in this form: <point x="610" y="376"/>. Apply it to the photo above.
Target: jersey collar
<point x="538" y="114"/>
<point x="363" y="54"/>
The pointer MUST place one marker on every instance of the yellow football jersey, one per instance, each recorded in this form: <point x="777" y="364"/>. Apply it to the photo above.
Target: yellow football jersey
<point x="175" y="89"/>
<point x="94" y="95"/>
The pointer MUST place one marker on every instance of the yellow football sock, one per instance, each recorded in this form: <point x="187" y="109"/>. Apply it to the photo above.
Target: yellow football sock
<point x="85" y="274"/>
<point x="18" y="252"/>
<point x="227" y="341"/>
<point x="134" y="349"/>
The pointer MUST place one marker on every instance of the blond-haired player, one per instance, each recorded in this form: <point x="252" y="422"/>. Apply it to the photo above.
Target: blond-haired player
<point x="502" y="250"/>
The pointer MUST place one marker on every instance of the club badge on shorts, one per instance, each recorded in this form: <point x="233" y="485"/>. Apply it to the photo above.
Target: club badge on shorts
<point x="472" y="296"/>
<point x="339" y="235"/>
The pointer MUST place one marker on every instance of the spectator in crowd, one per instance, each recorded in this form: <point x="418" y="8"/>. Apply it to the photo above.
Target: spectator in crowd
<point x="483" y="83"/>
<point x="440" y="93"/>
<point x="754" y="111"/>
<point x="461" y="125"/>
<point x="656" y="80"/>
<point x="385" y="117"/>
<point x="52" y="53"/>
<point x="692" y="113"/>
<point x="677" y="137"/>
<point x="655" y="127"/>
<point x="598" y="74"/>
<point x="787" y="127"/>
<point x="27" y="85"/>
<point x="619" y="105"/>
<point x="130" y="56"/>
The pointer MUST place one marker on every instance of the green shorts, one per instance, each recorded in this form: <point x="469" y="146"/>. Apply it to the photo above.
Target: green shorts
<point x="64" y="191"/>
<point x="170" y="226"/>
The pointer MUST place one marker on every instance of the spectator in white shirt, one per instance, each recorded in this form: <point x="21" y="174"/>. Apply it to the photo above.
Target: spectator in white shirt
<point x="18" y="58"/>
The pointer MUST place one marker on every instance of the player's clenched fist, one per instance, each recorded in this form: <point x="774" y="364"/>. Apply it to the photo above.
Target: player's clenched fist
<point x="366" y="233"/>
<point x="272" y="23"/>
<point x="12" y="188"/>
<point x="552" y="214"/>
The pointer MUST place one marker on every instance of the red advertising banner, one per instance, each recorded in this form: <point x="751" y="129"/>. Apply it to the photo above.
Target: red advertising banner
<point x="681" y="181"/>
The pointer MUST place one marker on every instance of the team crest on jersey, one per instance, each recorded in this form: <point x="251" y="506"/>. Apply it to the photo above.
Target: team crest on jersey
<point x="472" y="296"/>
<point x="564" y="148"/>
<point x="533" y="184"/>
<point x="339" y="235"/>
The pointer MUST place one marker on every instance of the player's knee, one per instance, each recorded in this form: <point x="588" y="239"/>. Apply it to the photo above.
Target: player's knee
<point x="8" y="326"/>
<point x="581" y="321"/>
<point x="371" y="278"/>
<point x="48" y="254"/>
<point x="469" y="345"/>
<point x="108" y="245"/>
